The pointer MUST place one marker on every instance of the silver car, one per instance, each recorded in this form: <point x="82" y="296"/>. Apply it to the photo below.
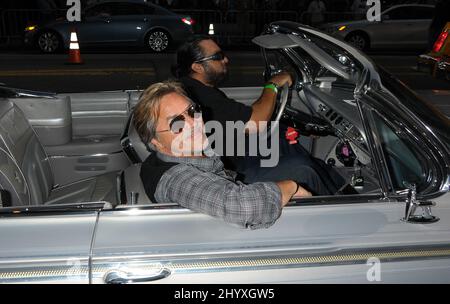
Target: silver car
<point x="401" y="27"/>
<point x="74" y="208"/>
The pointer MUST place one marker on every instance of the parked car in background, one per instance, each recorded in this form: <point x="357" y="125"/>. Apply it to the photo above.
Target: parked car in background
<point x="115" y="24"/>
<point x="437" y="61"/>
<point x="73" y="207"/>
<point x="401" y="27"/>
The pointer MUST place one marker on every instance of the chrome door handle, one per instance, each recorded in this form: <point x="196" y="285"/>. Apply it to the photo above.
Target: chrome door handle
<point x="123" y="277"/>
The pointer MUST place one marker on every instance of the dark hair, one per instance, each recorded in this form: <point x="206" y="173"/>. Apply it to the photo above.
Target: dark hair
<point x="187" y="54"/>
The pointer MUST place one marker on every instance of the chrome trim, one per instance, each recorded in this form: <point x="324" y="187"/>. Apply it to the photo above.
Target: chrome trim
<point x="33" y="260"/>
<point x="373" y="198"/>
<point x="91" y="250"/>
<point x="240" y="261"/>
<point x="102" y="112"/>
<point x="437" y="154"/>
<point x="34" y="94"/>
<point x="87" y="155"/>
<point x="48" y="122"/>
<point x="46" y="273"/>
<point x="85" y="207"/>
<point x="442" y="65"/>
<point x="427" y="57"/>
<point x="118" y="276"/>
<point x="375" y="149"/>
<point x="233" y="261"/>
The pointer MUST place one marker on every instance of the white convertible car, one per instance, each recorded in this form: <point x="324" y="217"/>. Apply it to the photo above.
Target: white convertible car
<point x="73" y="209"/>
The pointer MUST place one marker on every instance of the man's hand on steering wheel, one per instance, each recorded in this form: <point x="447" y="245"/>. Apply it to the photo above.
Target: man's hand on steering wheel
<point x="281" y="79"/>
<point x="263" y="108"/>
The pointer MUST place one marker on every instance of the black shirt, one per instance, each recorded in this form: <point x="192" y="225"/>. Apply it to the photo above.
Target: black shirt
<point x="215" y="104"/>
<point x="218" y="107"/>
<point x="152" y="170"/>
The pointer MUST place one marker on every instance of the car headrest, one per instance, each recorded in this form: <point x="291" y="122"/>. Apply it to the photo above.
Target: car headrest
<point x="133" y="146"/>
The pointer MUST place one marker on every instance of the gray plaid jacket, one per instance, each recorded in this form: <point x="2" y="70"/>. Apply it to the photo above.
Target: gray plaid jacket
<point x="202" y="185"/>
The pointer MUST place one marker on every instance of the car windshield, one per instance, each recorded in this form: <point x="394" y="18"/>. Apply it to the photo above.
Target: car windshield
<point x="405" y="163"/>
<point x="426" y="111"/>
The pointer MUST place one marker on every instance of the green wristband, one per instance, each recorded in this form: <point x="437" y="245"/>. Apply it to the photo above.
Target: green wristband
<point x="272" y="87"/>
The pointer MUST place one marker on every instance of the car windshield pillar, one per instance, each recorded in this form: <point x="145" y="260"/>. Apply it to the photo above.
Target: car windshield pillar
<point x="374" y="148"/>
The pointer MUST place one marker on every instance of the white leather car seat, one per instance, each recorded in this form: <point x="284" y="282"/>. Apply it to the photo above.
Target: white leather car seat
<point x="133" y="191"/>
<point x="26" y="175"/>
<point x="136" y="150"/>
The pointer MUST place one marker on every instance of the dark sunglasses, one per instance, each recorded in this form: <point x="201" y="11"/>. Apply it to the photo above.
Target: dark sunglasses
<point x="219" y="56"/>
<point x="177" y="128"/>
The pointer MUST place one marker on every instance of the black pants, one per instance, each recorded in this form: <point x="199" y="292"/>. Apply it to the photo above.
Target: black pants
<point x="296" y="164"/>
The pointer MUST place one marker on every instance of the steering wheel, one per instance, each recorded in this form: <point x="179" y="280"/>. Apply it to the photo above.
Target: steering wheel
<point x="281" y="105"/>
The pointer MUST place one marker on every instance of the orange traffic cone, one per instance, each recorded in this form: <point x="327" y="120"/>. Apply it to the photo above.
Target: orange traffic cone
<point x="74" y="49"/>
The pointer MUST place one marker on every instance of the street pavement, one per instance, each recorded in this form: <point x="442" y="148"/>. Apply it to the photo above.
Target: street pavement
<point x="120" y="71"/>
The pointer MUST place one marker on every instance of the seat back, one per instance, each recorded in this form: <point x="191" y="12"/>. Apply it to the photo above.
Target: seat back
<point x="19" y="140"/>
<point x="132" y="188"/>
<point x="132" y="144"/>
<point x="13" y="186"/>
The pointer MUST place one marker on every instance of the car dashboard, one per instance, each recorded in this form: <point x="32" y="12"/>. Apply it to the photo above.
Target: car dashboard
<point x="338" y="132"/>
<point x="332" y="111"/>
<point x="338" y="107"/>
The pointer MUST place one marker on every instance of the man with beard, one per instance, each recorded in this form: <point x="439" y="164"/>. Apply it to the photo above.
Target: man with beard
<point x="201" y="67"/>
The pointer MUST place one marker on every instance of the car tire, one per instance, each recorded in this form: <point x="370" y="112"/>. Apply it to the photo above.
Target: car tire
<point x="49" y="42"/>
<point x="358" y="40"/>
<point x="158" y="41"/>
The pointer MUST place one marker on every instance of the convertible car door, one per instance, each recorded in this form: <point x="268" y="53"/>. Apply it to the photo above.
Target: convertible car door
<point x="335" y="242"/>
<point x="46" y="244"/>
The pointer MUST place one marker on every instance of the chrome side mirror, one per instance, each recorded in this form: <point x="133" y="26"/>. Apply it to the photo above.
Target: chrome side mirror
<point x="417" y="212"/>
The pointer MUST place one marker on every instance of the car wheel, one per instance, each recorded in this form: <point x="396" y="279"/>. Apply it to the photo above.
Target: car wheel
<point x="358" y="40"/>
<point x="49" y="42"/>
<point x="158" y="41"/>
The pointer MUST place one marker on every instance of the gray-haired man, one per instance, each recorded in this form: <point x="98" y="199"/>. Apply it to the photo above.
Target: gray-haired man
<point x="180" y="173"/>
